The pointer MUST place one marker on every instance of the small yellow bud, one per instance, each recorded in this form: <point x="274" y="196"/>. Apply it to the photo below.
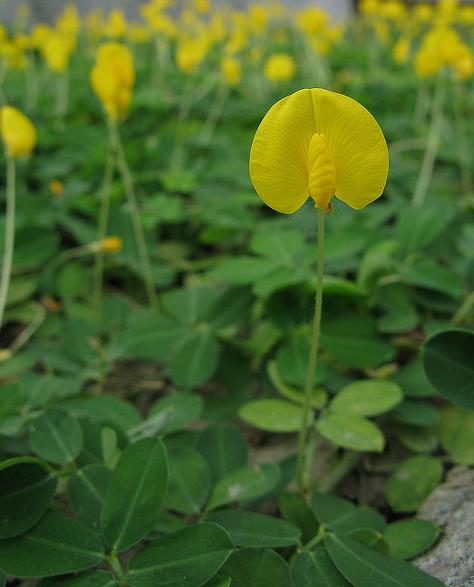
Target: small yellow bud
<point x="56" y="187"/>
<point x="111" y="244"/>
<point x="18" y="132"/>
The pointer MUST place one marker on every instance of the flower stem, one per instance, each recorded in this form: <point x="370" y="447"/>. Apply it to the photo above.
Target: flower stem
<point x="432" y="143"/>
<point x="136" y="222"/>
<point x="9" y="237"/>
<point x="104" y="219"/>
<point x="116" y="567"/>
<point x="313" y="355"/>
<point x="462" y="315"/>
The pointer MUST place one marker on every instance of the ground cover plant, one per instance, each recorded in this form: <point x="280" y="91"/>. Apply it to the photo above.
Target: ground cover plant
<point x="169" y="414"/>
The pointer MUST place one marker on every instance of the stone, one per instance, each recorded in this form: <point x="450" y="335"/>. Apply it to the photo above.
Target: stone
<point x="451" y="506"/>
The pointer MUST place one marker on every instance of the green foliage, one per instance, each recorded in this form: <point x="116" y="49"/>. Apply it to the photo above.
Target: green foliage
<point x="142" y="448"/>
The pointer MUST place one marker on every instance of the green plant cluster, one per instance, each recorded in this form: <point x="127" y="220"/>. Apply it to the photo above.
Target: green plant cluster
<point x="157" y="449"/>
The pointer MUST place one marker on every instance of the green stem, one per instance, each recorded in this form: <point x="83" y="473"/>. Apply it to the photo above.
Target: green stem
<point x="104" y="219"/>
<point x="9" y="237"/>
<point x="313" y="355"/>
<point x="432" y="144"/>
<point x="463" y="143"/>
<point x="117" y="569"/>
<point x="214" y="114"/>
<point x="62" y="95"/>
<point x="136" y="222"/>
<point x="316" y="540"/>
<point x="463" y="313"/>
<point x="345" y="465"/>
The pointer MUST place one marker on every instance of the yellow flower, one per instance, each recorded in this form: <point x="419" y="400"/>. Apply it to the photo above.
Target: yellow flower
<point x="279" y="67"/>
<point x="401" y="50"/>
<point x="318" y="143"/>
<point x="111" y="244"/>
<point x="190" y="54"/>
<point x="231" y="71"/>
<point x="18" y="132"/>
<point x="312" y="20"/>
<point x="113" y="77"/>
<point x="116" y="26"/>
<point x="56" y="187"/>
<point x="56" y="49"/>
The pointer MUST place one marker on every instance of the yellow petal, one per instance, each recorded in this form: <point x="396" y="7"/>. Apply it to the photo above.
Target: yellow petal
<point x="280" y="152"/>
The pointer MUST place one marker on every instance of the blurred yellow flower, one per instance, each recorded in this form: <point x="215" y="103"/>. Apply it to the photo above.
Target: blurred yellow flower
<point x="401" y="50"/>
<point x="18" y="132"/>
<point x="321" y="144"/>
<point x="56" y="49"/>
<point x="279" y="67"/>
<point x="111" y="244"/>
<point x="56" y="187"/>
<point x="190" y="54"/>
<point x="231" y="71"/>
<point x="113" y="77"/>
<point x="312" y="20"/>
<point x="116" y="25"/>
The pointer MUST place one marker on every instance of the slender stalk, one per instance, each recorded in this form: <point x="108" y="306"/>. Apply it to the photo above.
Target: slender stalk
<point x="214" y="114"/>
<point x="62" y="95"/>
<point x="463" y="143"/>
<point x="9" y="237"/>
<point x="462" y="315"/>
<point x="136" y="222"/>
<point x="104" y="218"/>
<point x="313" y="355"/>
<point x="432" y="144"/>
<point x="116" y="567"/>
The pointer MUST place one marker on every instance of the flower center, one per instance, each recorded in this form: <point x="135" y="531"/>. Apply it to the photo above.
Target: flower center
<point x="321" y="172"/>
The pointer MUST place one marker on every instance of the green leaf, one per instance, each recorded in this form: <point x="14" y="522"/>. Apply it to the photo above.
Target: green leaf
<point x="136" y="491"/>
<point x="224" y="448"/>
<point x="329" y="508"/>
<point x="369" y="397"/>
<point x="318" y="395"/>
<point x="230" y="308"/>
<point x="418" y="228"/>
<point x="56" y="436"/>
<point x="296" y="510"/>
<point x="412" y="482"/>
<point x="341" y="515"/>
<point x="251" y="567"/>
<point x="243" y="484"/>
<point x="351" y="432"/>
<point x="422" y="439"/>
<point x="196" y="360"/>
<point x="189" y="481"/>
<point x="449" y="366"/>
<point x="254" y="530"/>
<point x="109" y="409"/>
<point x="244" y="270"/>
<point x="26" y="490"/>
<point x="190" y="556"/>
<point x="415" y="413"/>
<point x="87" y="490"/>
<point x="169" y="414"/>
<point x="353" y="342"/>
<point x="292" y="363"/>
<point x="316" y="569"/>
<point x="363" y="566"/>
<point x="371" y="537"/>
<point x="189" y="304"/>
<point x="272" y="415"/>
<point x="413" y="381"/>
<point x="429" y="275"/>
<point x="55" y="546"/>
<point x="409" y="538"/>
<point x="456" y="434"/>
<point x="91" y="579"/>
<point x="150" y="337"/>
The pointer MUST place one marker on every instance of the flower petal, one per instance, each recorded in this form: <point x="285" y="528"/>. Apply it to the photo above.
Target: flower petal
<point x="279" y="154"/>
<point x="356" y="144"/>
